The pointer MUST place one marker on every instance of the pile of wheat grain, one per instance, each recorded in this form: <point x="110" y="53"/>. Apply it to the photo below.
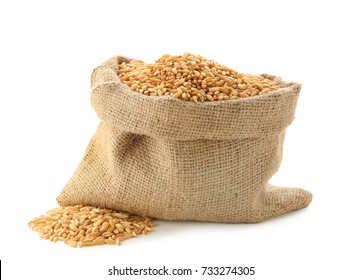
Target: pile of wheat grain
<point x="80" y="226"/>
<point x="192" y="78"/>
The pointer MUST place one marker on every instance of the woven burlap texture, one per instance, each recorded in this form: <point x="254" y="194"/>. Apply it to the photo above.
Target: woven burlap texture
<point x="176" y="160"/>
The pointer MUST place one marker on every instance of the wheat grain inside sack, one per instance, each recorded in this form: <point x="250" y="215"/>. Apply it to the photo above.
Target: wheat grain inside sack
<point x="170" y="159"/>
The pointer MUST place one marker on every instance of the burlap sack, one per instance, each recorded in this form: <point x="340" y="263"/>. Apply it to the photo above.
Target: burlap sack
<point x="176" y="160"/>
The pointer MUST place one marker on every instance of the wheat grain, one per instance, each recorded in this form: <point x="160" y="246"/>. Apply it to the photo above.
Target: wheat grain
<point x="81" y="226"/>
<point x="184" y="76"/>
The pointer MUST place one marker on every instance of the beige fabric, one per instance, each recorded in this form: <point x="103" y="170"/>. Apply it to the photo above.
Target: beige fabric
<point x="176" y="160"/>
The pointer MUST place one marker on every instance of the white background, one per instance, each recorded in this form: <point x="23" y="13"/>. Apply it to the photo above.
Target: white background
<point x="48" y="50"/>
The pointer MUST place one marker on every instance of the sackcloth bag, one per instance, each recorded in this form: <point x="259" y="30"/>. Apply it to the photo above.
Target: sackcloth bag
<point x="175" y="160"/>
